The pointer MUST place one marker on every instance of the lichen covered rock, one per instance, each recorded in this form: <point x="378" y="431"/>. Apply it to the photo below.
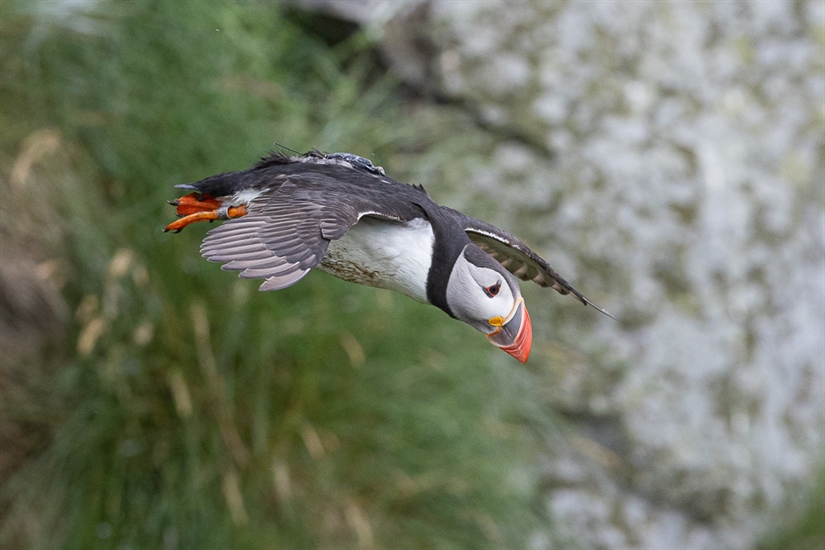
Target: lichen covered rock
<point x="669" y="160"/>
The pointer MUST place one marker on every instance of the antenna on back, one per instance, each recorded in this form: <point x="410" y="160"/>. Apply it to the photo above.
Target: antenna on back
<point x="284" y="147"/>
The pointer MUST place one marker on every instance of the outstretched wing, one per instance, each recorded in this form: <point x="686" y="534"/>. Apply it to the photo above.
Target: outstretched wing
<point x="517" y="257"/>
<point x="287" y="230"/>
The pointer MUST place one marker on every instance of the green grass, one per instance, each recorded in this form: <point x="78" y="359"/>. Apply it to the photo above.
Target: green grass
<point x="802" y="525"/>
<point x="154" y="401"/>
<point x="177" y="407"/>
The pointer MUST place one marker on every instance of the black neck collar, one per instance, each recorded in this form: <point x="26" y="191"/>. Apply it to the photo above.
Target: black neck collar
<point x="449" y="241"/>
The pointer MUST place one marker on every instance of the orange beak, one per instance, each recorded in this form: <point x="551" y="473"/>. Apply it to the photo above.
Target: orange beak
<point x="516" y="335"/>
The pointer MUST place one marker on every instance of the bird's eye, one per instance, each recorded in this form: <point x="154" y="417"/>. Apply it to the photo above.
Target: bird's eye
<point x="492" y="290"/>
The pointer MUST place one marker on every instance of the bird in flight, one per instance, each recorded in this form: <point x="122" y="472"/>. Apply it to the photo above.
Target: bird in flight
<point x="340" y="213"/>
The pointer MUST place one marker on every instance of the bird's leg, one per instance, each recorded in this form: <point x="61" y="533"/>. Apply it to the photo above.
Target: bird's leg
<point x="195" y="202"/>
<point x="196" y="207"/>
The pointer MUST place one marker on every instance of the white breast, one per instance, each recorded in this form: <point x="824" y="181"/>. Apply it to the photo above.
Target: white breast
<point x="384" y="254"/>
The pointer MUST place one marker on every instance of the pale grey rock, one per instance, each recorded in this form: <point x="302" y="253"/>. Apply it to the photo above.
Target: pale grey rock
<point x="669" y="159"/>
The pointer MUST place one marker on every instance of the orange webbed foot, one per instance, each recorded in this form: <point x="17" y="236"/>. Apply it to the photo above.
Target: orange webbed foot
<point x="195" y="202"/>
<point x="199" y="214"/>
<point x="179" y="224"/>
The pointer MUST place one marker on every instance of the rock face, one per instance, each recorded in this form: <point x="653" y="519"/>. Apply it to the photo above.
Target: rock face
<point x="669" y="157"/>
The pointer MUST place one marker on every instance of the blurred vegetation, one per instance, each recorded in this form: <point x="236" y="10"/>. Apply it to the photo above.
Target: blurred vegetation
<point x="150" y="400"/>
<point x="802" y="526"/>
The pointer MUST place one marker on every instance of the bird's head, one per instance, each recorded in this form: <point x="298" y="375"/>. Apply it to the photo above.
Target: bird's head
<point x="483" y="294"/>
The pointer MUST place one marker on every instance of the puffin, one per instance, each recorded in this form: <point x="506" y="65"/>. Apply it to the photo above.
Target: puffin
<point x="340" y="213"/>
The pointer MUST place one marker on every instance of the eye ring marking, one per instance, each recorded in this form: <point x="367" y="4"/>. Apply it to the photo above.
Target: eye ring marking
<point x="492" y="290"/>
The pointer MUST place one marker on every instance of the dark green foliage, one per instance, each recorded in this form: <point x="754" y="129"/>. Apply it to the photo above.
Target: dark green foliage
<point x="803" y="528"/>
<point x="178" y="407"/>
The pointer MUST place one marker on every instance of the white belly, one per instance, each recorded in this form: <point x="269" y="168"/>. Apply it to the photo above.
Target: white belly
<point x="384" y="254"/>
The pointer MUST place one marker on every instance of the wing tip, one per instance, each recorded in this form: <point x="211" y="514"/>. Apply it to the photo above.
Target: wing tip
<point x="278" y="282"/>
<point x="587" y="302"/>
<point x="584" y="300"/>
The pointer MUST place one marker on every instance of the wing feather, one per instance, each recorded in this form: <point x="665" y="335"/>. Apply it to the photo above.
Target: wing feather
<point x="517" y="257"/>
<point x="287" y="229"/>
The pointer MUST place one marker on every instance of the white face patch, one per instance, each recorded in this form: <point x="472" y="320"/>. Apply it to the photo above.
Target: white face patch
<point x="471" y="303"/>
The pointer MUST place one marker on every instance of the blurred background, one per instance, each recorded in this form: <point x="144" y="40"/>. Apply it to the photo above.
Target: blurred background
<point x="668" y="158"/>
